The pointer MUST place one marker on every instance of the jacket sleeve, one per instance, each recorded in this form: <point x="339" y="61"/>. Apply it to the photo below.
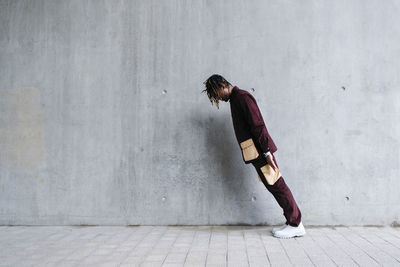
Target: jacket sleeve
<point x="253" y="116"/>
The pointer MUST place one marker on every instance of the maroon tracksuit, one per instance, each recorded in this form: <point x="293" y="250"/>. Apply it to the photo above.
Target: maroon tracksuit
<point x="248" y="123"/>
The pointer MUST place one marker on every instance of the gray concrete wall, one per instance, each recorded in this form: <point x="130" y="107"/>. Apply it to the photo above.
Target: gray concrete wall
<point x="102" y="119"/>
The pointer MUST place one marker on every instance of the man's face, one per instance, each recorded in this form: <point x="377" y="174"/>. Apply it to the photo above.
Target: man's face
<point x="224" y="92"/>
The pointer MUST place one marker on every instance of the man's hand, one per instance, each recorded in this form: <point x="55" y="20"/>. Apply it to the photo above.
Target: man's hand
<point x="271" y="162"/>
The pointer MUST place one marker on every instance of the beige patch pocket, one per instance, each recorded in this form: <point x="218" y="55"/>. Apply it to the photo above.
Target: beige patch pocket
<point x="249" y="150"/>
<point x="270" y="175"/>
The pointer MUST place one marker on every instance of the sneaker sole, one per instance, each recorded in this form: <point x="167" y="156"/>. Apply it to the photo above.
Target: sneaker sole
<point x="287" y="237"/>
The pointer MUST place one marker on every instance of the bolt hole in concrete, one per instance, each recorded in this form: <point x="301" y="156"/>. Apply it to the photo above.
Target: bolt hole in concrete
<point x="253" y="198"/>
<point x="164" y="91"/>
<point x="344" y="88"/>
<point x="252" y="89"/>
<point x="347" y="198"/>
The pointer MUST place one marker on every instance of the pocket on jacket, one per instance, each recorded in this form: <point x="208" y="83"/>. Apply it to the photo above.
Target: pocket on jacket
<point x="270" y="175"/>
<point x="249" y="150"/>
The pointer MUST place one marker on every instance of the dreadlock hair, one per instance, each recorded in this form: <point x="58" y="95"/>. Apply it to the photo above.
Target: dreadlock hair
<point x="213" y="85"/>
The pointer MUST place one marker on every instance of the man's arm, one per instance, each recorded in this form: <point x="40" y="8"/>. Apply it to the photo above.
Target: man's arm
<point x="255" y="120"/>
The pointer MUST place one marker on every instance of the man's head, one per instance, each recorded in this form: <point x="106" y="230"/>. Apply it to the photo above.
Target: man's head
<point x="217" y="88"/>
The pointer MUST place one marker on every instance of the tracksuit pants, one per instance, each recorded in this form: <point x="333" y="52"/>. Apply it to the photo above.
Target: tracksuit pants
<point x="281" y="193"/>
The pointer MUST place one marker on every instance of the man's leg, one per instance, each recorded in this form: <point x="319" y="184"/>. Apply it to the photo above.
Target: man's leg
<point x="283" y="196"/>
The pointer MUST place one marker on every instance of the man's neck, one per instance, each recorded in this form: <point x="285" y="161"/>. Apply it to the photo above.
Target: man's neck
<point x="230" y="87"/>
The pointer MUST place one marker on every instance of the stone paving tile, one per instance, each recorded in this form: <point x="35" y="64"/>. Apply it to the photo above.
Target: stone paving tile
<point x="192" y="246"/>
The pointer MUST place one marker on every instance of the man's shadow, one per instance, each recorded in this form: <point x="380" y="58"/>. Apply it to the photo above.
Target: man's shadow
<point x="227" y="174"/>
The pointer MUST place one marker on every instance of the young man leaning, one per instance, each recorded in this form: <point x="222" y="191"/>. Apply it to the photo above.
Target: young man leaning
<point x="257" y="148"/>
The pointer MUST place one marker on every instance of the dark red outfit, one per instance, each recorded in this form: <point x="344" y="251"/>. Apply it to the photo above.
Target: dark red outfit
<point x="249" y="123"/>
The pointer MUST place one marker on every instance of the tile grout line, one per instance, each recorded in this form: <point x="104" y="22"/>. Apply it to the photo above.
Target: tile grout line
<point x="284" y="249"/>
<point x="359" y="247"/>
<point x="378" y="247"/>
<point x="265" y="248"/>
<point x="297" y="241"/>
<point x="191" y="245"/>
<point x="341" y="248"/>
<point x="323" y="249"/>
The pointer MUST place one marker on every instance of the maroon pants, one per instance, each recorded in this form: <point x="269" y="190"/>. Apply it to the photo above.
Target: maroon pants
<point x="282" y="194"/>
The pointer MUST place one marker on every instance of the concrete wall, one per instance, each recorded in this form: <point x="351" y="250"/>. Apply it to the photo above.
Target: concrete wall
<point x="102" y="119"/>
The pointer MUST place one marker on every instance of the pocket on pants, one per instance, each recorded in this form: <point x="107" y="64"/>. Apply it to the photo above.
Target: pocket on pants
<point x="270" y="175"/>
<point x="249" y="150"/>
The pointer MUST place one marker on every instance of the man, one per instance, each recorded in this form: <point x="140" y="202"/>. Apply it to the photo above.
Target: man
<point x="257" y="147"/>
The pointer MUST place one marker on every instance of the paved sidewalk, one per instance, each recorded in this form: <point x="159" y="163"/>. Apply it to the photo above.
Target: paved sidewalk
<point x="196" y="246"/>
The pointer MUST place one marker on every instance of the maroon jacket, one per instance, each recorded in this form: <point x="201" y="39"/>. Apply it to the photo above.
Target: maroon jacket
<point x="248" y="121"/>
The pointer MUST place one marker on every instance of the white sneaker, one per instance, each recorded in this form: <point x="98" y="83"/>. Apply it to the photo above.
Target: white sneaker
<point x="291" y="231"/>
<point x="278" y="228"/>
